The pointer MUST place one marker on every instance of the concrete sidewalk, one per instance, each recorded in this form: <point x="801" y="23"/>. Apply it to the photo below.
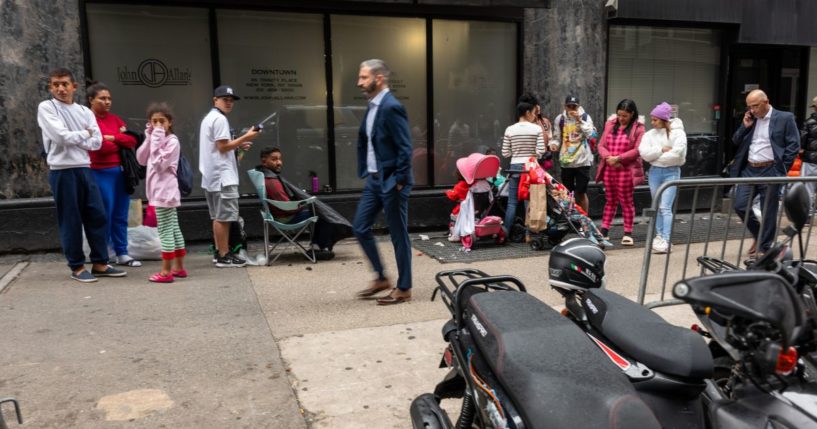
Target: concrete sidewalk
<point x="129" y="353"/>
<point x="286" y="346"/>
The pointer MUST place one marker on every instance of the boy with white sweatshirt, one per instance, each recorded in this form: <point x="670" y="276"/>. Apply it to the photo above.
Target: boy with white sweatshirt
<point x="70" y="130"/>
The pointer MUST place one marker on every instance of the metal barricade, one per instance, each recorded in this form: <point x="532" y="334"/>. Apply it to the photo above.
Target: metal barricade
<point x="726" y="242"/>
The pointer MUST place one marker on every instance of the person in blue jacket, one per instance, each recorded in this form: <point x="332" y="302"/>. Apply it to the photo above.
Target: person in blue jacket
<point x="384" y="161"/>
<point x="768" y="141"/>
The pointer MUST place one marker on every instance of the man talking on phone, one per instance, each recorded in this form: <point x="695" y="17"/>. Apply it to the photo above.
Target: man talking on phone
<point x="768" y="142"/>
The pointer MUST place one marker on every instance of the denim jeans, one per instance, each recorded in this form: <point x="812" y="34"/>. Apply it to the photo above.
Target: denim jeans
<point x="513" y="188"/>
<point x="663" y="219"/>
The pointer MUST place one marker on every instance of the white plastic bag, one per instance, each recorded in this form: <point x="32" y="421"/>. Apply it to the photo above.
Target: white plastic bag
<point x="144" y="244"/>
<point x="465" y="219"/>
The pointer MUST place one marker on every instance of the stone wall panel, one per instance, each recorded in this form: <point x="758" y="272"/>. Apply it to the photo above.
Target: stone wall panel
<point x="38" y="35"/>
<point x="565" y="52"/>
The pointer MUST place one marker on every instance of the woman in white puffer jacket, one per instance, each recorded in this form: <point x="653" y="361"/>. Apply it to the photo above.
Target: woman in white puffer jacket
<point x="665" y="148"/>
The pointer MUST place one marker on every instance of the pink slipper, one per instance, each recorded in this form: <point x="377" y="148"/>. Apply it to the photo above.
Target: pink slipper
<point x="180" y="274"/>
<point x="159" y="278"/>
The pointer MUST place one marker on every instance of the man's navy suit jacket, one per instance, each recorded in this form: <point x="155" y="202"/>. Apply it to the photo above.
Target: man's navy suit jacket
<point x="391" y="139"/>
<point x="785" y="139"/>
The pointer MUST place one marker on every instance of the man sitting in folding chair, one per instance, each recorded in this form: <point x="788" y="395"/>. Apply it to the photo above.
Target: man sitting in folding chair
<point x="291" y="218"/>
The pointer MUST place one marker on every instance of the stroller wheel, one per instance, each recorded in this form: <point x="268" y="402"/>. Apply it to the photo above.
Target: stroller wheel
<point x="517" y="233"/>
<point x="556" y="237"/>
<point x="536" y="244"/>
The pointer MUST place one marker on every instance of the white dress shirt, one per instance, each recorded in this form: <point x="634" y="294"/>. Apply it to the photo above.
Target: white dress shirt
<point x="761" y="148"/>
<point x="374" y="104"/>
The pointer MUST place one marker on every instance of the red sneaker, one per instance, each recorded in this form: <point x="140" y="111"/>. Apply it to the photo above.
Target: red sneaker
<point x="180" y="274"/>
<point x="161" y="278"/>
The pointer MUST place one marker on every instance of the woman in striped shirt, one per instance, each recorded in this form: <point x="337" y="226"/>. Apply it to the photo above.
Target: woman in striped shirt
<point x="522" y="140"/>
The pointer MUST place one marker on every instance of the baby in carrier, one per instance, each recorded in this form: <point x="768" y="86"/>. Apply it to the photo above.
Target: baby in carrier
<point x="561" y="195"/>
<point x="456" y="194"/>
<point x="470" y="219"/>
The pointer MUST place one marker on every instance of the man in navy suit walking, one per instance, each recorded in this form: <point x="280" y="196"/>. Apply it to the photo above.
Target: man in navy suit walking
<point x="768" y="141"/>
<point x="384" y="161"/>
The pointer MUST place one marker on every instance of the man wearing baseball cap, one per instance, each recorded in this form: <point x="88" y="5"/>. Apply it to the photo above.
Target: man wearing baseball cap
<point x="808" y="149"/>
<point x="572" y="130"/>
<point x="219" y="171"/>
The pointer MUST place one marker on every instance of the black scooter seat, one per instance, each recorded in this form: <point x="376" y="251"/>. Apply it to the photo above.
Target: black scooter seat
<point x="648" y="338"/>
<point x="549" y="367"/>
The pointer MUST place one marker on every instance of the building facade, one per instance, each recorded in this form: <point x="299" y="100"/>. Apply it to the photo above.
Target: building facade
<point x="459" y="66"/>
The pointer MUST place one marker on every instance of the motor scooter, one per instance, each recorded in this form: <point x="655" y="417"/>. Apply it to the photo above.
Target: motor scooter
<point x="517" y="363"/>
<point x="671" y="367"/>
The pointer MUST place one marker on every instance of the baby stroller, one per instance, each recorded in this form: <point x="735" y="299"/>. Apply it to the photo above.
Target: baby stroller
<point x="563" y="216"/>
<point x="474" y="221"/>
<point x="558" y="226"/>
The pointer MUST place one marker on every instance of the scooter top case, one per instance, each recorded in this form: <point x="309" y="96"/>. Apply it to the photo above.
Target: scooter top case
<point x="552" y="372"/>
<point x="648" y="338"/>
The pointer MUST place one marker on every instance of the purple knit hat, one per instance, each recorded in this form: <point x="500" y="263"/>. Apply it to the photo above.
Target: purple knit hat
<point x="662" y="111"/>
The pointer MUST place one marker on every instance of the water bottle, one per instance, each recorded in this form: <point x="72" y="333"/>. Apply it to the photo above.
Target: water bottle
<point x="315" y="184"/>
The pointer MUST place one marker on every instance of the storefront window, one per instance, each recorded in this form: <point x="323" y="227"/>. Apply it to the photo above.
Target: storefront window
<point x="275" y="62"/>
<point x="401" y="43"/>
<point x="677" y="65"/>
<point x="146" y="54"/>
<point x="474" y="89"/>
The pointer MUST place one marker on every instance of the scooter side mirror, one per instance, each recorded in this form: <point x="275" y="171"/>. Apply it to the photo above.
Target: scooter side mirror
<point x="796" y="204"/>
<point x="752" y="295"/>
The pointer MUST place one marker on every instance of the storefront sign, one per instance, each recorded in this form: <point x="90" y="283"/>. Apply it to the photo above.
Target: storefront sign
<point x="153" y="73"/>
<point x="274" y="84"/>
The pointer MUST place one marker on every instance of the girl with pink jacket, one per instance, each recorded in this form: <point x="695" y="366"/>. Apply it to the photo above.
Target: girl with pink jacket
<point x="160" y="153"/>
<point x="620" y="166"/>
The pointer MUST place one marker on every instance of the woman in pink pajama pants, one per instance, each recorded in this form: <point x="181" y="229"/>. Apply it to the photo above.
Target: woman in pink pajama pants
<point x="620" y="168"/>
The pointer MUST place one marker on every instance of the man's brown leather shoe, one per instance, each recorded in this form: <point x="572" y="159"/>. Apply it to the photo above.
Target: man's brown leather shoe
<point x="396" y="296"/>
<point x="374" y="288"/>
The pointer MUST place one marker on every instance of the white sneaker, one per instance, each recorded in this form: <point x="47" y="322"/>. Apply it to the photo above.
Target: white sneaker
<point x="659" y="245"/>
<point x="128" y="261"/>
<point x="454" y="238"/>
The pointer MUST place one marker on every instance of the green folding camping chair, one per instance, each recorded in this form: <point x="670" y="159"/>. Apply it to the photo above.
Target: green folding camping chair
<point x="289" y="233"/>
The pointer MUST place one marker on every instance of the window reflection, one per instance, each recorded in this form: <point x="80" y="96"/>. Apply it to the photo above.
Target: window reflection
<point x="401" y="42"/>
<point x="474" y="89"/>
<point x="275" y="61"/>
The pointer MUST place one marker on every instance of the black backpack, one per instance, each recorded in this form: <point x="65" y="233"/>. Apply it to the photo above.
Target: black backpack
<point x="184" y="174"/>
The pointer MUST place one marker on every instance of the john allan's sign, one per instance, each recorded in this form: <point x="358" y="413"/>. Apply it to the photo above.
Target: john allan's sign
<point x="153" y="73"/>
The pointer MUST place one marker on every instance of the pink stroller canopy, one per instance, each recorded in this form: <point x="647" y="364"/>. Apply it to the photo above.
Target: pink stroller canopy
<point x="478" y="166"/>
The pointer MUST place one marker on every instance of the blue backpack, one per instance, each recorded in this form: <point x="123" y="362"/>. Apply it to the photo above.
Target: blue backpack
<point x="184" y="174"/>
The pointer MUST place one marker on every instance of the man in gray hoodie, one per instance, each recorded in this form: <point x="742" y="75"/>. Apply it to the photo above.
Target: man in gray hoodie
<point x="70" y="130"/>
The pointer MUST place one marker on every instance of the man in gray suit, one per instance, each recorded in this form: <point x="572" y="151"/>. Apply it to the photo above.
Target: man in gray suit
<point x="768" y="142"/>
